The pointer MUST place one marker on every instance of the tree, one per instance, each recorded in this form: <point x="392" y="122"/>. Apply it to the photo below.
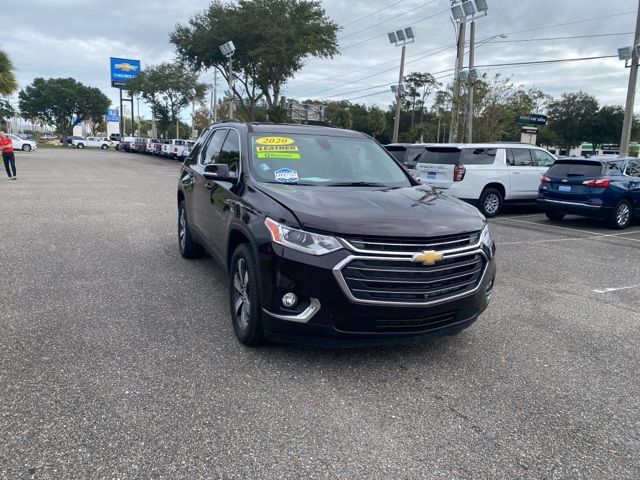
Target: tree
<point x="420" y="85"/>
<point x="377" y="121"/>
<point x="571" y="117"/>
<point x="167" y="88"/>
<point x="8" y="82"/>
<point x="62" y="102"/>
<point x="606" y="125"/>
<point x="6" y="112"/>
<point x="272" y="39"/>
<point x="343" y="119"/>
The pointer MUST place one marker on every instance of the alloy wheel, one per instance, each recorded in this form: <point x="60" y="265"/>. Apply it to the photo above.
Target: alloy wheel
<point x="623" y="214"/>
<point x="182" y="229"/>
<point x="491" y="203"/>
<point x="241" y="303"/>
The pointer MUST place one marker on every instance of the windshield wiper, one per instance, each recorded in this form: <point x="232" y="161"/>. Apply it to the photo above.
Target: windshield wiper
<point x="355" y="184"/>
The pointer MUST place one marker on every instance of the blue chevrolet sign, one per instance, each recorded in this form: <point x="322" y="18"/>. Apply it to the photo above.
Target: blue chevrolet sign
<point x="112" y="115"/>
<point x="123" y="70"/>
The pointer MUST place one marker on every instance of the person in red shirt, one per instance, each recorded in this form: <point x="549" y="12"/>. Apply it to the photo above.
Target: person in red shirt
<point x="8" y="156"/>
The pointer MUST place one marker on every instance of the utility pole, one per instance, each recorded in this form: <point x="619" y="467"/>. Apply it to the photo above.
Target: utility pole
<point x="631" y="93"/>
<point x="230" y="86"/>
<point x="453" y="128"/>
<point x="472" y="48"/>
<point x="396" y="123"/>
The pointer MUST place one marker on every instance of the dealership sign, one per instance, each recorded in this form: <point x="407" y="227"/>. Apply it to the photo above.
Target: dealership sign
<point x="123" y="70"/>
<point x="112" y="115"/>
<point x="531" y="119"/>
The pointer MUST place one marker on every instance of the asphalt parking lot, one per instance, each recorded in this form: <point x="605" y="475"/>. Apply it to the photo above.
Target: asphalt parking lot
<point x="119" y="360"/>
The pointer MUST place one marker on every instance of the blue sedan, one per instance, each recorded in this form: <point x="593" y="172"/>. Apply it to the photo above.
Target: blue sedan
<point x="607" y="188"/>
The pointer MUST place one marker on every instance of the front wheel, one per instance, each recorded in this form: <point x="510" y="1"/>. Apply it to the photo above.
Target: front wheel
<point x="621" y="216"/>
<point x="26" y="148"/>
<point x="556" y="217"/>
<point x="104" y="146"/>
<point x="490" y="202"/>
<point x="244" y="298"/>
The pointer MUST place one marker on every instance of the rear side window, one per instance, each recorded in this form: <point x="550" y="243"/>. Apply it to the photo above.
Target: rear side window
<point x="574" y="168"/>
<point x="479" y="156"/>
<point x="213" y="146"/>
<point x="440" y="155"/>
<point x="519" y="157"/>
<point x="633" y="168"/>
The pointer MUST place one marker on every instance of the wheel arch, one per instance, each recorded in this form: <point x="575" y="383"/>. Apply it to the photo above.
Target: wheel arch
<point x="497" y="186"/>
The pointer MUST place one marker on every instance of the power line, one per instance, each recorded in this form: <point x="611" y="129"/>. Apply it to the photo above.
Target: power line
<point x="387" y="20"/>
<point x="371" y="14"/>
<point x="600" y="17"/>
<point x="561" y="38"/>
<point x="384" y="34"/>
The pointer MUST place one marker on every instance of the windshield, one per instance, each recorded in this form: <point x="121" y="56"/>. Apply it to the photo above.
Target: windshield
<point x="323" y="160"/>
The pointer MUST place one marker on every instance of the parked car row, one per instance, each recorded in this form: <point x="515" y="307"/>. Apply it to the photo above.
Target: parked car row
<point x="490" y="175"/>
<point x="176" y="148"/>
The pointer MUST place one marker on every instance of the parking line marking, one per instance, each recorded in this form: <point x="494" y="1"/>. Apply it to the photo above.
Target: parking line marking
<point x="552" y="226"/>
<point x="607" y="290"/>
<point x="567" y="239"/>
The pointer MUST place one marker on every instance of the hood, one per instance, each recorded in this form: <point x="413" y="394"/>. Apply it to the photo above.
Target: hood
<point x="420" y="211"/>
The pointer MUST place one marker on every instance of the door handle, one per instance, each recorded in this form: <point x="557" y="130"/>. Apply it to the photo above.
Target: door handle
<point x="209" y="186"/>
<point x="516" y="173"/>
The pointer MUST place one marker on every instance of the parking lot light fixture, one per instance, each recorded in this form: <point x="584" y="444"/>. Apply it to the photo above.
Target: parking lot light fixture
<point x="625" y="53"/>
<point x="228" y="49"/>
<point x="400" y="38"/>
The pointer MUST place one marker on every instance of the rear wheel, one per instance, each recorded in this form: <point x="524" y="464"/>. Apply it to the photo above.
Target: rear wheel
<point x="188" y="248"/>
<point x="26" y="147"/>
<point x="246" y="311"/>
<point x="80" y="145"/>
<point x="556" y="217"/>
<point x="490" y="202"/>
<point x="621" y="216"/>
<point x="104" y="146"/>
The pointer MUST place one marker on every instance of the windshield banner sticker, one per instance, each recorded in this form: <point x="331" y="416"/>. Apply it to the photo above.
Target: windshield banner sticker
<point x="286" y="175"/>
<point x="274" y="141"/>
<point x="278" y="151"/>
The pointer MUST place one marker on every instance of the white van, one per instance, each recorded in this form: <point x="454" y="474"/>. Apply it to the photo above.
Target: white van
<point x="486" y="174"/>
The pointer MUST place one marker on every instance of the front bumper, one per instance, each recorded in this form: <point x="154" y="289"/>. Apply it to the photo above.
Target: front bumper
<point x="326" y="314"/>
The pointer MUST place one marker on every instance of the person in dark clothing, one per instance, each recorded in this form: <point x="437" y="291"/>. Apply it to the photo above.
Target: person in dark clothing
<point x="9" y="158"/>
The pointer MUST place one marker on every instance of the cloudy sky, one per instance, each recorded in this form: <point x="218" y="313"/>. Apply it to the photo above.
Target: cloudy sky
<point x="75" y="38"/>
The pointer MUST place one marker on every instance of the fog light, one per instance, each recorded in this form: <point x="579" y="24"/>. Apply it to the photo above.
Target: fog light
<point x="489" y="288"/>
<point x="289" y="300"/>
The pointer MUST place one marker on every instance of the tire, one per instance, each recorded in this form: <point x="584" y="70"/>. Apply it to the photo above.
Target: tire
<point x="244" y="298"/>
<point x="26" y="147"/>
<point x="80" y="146"/>
<point x="490" y="202"/>
<point x="188" y="247"/>
<point x="104" y="146"/>
<point x="556" y="217"/>
<point x="621" y="216"/>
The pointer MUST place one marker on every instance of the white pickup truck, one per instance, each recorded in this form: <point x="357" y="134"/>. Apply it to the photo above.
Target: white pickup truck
<point x="91" y="142"/>
<point x="485" y="174"/>
<point x="174" y="148"/>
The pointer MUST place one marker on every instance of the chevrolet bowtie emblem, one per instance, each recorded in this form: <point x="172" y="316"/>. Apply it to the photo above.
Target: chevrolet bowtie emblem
<point x="428" y="257"/>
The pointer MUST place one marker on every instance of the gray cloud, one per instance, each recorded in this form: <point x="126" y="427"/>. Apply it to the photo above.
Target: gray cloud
<point x="53" y="38"/>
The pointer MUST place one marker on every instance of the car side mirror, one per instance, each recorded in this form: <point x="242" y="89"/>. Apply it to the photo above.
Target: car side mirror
<point x="415" y="175"/>
<point x="218" y="172"/>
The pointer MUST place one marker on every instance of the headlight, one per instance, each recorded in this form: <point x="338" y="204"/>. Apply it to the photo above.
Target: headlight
<point x="487" y="239"/>
<point x="307" y="242"/>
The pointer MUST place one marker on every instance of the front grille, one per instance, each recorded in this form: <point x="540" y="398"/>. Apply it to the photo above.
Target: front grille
<point x="408" y="323"/>
<point x="409" y="245"/>
<point x="386" y="280"/>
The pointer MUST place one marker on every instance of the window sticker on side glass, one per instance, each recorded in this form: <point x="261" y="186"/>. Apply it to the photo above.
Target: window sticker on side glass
<point x="286" y="175"/>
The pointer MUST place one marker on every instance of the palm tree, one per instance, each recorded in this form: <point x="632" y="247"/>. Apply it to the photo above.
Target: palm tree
<point x="8" y="82"/>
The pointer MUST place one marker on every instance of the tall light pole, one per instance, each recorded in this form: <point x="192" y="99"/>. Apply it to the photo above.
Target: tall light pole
<point x="228" y="49"/>
<point x="631" y="90"/>
<point x="400" y="38"/>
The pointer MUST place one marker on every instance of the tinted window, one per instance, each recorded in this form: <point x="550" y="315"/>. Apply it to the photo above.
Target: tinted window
<point x="397" y="152"/>
<point x="192" y="159"/>
<point x="633" y="168"/>
<point x="440" y="155"/>
<point x="230" y="153"/>
<point x="575" y="168"/>
<point x="213" y="146"/>
<point x="543" y="159"/>
<point x="479" y="156"/>
<point x="413" y="154"/>
<point x="519" y="157"/>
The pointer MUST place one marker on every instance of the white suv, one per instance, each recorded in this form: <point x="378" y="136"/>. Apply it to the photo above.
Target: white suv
<point x="96" y="142"/>
<point x="21" y="143"/>
<point x="485" y="174"/>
